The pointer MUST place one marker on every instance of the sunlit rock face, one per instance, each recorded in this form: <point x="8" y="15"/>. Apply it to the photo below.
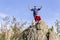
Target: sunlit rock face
<point x="39" y="31"/>
<point x="33" y="34"/>
<point x="53" y="35"/>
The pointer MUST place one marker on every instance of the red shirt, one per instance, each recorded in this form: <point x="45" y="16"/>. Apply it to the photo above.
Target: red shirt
<point x="37" y="18"/>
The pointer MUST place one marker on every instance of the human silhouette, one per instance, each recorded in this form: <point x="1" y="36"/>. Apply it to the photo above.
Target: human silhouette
<point x="35" y="10"/>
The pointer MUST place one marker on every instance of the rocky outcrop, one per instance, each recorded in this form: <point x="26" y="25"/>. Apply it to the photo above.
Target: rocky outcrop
<point x="53" y="35"/>
<point x="39" y="31"/>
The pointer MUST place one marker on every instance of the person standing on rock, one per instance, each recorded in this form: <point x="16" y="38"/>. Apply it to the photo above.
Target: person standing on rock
<point x="35" y="10"/>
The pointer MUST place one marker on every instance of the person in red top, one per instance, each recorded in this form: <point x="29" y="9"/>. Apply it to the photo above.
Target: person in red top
<point x="37" y="18"/>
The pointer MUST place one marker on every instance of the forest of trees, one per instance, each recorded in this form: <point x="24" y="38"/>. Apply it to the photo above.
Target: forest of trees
<point x="11" y="28"/>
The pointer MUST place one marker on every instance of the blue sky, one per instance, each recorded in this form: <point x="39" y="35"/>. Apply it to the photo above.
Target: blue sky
<point x="19" y="8"/>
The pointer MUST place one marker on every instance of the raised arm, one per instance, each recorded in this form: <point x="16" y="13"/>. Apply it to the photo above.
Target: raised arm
<point x="30" y="8"/>
<point x="39" y="8"/>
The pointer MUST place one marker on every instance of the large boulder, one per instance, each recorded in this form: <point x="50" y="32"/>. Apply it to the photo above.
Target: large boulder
<point x="43" y="26"/>
<point x="53" y="35"/>
<point x="39" y="31"/>
<point x="33" y="34"/>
